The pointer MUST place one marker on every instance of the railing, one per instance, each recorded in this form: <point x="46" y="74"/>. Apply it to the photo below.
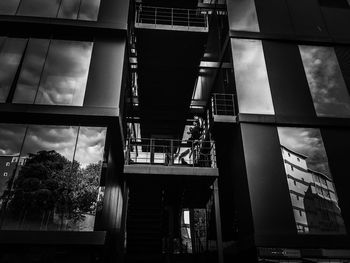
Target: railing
<point x="223" y="104"/>
<point x="197" y="153"/>
<point x="171" y="17"/>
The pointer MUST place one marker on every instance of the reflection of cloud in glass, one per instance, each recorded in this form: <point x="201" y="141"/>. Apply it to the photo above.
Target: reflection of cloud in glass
<point x="69" y="9"/>
<point x="58" y="138"/>
<point x="242" y="15"/>
<point x="308" y="142"/>
<point x="65" y="73"/>
<point x="326" y="83"/>
<point x="252" y="84"/>
<point x="10" y="57"/>
<point x="89" y="10"/>
<point x="29" y="77"/>
<point x="90" y="147"/>
<point x="11" y="137"/>
<point x="8" y="7"/>
<point x="42" y="8"/>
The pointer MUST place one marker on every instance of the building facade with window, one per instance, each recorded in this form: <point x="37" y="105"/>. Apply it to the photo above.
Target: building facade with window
<point x="174" y="131"/>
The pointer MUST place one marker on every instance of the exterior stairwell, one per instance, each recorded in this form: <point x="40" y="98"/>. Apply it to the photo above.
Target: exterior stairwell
<point x="144" y="225"/>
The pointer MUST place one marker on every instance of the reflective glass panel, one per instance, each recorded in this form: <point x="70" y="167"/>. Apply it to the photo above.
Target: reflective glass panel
<point x="69" y="9"/>
<point x="89" y="157"/>
<point x="8" y="7"/>
<point x="41" y="8"/>
<point x="311" y="187"/>
<point x="11" y="138"/>
<point x="64" y="78"/>
<point x="29" y="78"/>
<point x="328" y="89"/>
<point x="11" y="51"/>
<point x="252" y="84"/>
<point x="56" y="180"/>
<point x="242" y="15"/>
<point x="89" y="10"/>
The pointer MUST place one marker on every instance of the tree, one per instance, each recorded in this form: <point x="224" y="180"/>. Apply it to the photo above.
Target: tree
<point x="48" y="183"/>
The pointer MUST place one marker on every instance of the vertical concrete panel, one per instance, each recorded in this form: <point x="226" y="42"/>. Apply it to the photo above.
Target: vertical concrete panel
<point x="268" y="189"/>
<point x="106" y="73"/>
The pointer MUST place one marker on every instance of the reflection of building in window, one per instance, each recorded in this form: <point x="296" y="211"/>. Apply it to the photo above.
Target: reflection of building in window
<point x="8" y="165"/>
<point x="313" y="196"/>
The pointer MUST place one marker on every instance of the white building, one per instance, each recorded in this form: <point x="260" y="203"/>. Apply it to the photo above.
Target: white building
<point x="313" y="196"/>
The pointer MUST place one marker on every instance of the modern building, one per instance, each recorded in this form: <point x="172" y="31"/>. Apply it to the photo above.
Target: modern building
<point x="151" y="131"/>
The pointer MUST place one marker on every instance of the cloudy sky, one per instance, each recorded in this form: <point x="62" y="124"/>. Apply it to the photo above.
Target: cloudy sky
<point x="253" y="88"/>
<point x="306" y="141"/>
<point x="243" y="15"/>
<point x="62" y="139"/>
<point x="326" y="83"/>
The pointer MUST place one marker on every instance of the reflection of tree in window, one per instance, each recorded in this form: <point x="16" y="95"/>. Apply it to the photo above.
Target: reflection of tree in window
<point x="58" y="185"/>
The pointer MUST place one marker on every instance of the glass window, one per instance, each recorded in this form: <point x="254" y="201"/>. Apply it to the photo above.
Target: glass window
<point x="89" y="10"/>
<point x="69" y="9"/>
<point x="328" y="90"/>
<point x="57" y="185"/>
<point x="11" y="137"/>
<point x="242" y="15"/>
<point x="11" y="51"/>
<point x="308" y="142"/>
<point x="8" y="7"/>
<point x="252" y="84"/>
<point x="41" y="8"/>
<point x="29" y="78"/>
<point x="64" y="78"/>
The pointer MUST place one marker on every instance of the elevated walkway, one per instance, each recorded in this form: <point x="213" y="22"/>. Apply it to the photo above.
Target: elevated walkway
<point x="170" y="44"/>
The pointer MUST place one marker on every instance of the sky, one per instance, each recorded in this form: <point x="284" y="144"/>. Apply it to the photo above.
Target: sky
<point x="62" y="139"/>
<point x="308" y="142"/>
<point x="328" y="89"/>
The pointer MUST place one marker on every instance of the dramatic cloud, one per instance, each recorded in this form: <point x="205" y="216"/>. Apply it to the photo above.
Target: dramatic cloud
<point x="91" y="143"/>
<point x="253" y="88"/>
<point x="65" y="73"/>
<point x="308" y="142"/>
<point x="326" y="83"/>
<point x="11" y="138"/>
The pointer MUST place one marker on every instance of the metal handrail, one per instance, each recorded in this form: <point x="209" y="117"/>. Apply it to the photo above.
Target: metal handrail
<point x="223" y="104"/>
<point x="195" y="153"/>
<point x="171" y="16"/>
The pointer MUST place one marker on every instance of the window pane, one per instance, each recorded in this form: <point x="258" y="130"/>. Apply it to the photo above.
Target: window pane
<point x="252" y="84"/>
<point x="42" y="8"/>
<point x="40" y="188"/>
<point x="11" y="52"/>
<point x="89" y="156"/>
<point x="69" y="9"/>
<point x="242" y="15"/>
<point x="89" y="10"/>
<point x="329" y="92"/>
<point x="320" y="211"/>
<point x="11" y="137"/>
<point x="50" y="191"/>
<point x="8" y="7"/>
<point x="29" y="77"/>
<point x="65" y="73"/>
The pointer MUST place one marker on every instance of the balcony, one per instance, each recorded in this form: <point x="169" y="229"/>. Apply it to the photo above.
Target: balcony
<point x="166" y="156"/>
<point x="171" y="18"/>
<point x="223" y="107"/>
